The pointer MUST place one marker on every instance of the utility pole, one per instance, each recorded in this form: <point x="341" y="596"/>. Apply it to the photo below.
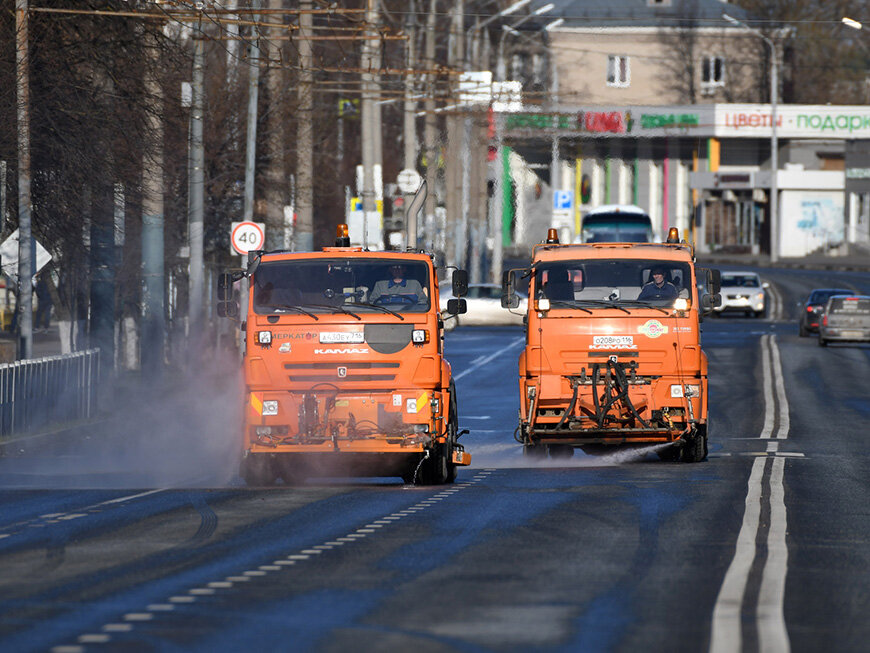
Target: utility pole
<point x="429" y="130"/>
<point x="410" y="120"/>
<point x="303" y="202"/>
<point x="153" y="322"/>
<point x="25" y="263"/>
<point x="455" y="55"/>
<point x="276" y="173"/>
<point x="197" y="186"/>
<point x="368" y="117"/>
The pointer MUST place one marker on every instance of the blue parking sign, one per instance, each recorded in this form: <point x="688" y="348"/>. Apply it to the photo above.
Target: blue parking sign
<point x="563" y="199"/>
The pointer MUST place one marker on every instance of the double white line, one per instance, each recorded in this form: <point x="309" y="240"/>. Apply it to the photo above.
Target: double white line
<point x="726" y="636"/>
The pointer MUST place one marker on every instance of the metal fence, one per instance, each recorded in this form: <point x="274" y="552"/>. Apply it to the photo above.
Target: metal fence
<point x="40" y="392"/>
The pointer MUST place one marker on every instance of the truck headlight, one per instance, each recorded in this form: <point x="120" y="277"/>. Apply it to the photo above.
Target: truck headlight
<point x="419" y="336"/>
<point x="681" y="304"/>
<point x="693" y="391"/>
<point x="676" y="391"/>
<point x="264" y="337"/>
<point x="544" y="304"/>
<point x="270" y="407"/>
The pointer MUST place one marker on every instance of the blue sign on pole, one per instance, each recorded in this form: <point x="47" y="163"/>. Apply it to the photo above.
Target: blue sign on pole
<point x="563" y="199"/>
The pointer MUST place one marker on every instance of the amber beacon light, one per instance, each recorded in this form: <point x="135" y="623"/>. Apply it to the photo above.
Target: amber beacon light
<point x="342" y="239"/>
<point x="673" y="235"/>
<point x="552" y="237"/>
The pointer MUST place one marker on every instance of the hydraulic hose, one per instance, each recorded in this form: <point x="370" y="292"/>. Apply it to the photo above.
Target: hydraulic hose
<point x="570" y="409"/>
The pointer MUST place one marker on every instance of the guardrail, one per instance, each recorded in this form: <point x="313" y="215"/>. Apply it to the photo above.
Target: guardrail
<point x="39" y="392"/>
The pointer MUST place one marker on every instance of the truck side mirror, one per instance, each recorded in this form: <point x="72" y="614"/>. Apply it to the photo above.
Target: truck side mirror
<point x="460" y="283"/>
<point x="225" y="286"/>
<point x="715" y="282"/>
<point x="509" y="298"/>
<point x="456" y="306"/>
<point x="227" y="309"/>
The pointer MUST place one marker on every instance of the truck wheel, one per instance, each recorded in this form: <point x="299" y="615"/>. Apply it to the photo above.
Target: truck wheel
<point x="695" y="449"/>
<point x="452" y="430"/>
<point x="435" y="470"/>
<point x="535" y="450"/>
<point x="562" y="451"/>
<point x="257" y="470"/>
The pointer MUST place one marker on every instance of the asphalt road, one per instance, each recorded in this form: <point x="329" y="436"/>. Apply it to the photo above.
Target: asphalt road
<point x="143" y="539"/>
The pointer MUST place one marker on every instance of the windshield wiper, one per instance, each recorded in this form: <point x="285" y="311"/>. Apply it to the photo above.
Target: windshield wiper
<point x="334" y="308"/>
<point x="569" y="302"/>
<point x="607" y="303"/>
<point x="644" y="305"/>
<point x="291" y="307"/>
<point x="380" y="308"/>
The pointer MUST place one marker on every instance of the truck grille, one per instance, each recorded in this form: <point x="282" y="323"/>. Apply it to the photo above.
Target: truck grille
<point x="329" y="372"/>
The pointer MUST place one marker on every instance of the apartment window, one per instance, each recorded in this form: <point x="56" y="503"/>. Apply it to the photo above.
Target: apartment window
<point x="713" y="71"/>
<point x="618" y="71"/>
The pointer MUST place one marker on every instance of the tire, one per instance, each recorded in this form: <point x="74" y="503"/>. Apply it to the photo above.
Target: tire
<point x="670" y="455"/>
<point x="561" y="451"/>
<point x="257" y="470"/>
<point x="435" y="469"/>
<point x="535" y="451"/>
<point x="695" y="448"/>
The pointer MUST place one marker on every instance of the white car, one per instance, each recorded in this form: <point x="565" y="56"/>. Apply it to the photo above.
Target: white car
<point x="484" y="307"/>
<point x="744" y="292"/>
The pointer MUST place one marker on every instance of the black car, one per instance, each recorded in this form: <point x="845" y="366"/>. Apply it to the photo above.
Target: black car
<point x="815" y="306"/>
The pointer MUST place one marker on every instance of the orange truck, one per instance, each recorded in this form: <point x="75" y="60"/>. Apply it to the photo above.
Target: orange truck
<point x="613" y="352"/>
<point x="344" y="366"/>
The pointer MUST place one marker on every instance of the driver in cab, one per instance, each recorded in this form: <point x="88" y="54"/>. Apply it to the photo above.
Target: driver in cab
<point x="398" y="289"/>
<point x="659" y="287"/>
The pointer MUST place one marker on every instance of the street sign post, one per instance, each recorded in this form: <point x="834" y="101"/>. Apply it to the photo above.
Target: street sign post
<point x="247" y="236"/>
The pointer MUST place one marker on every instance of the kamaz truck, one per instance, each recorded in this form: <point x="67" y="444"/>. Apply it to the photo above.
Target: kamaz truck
<point x="613" y="352"/>
<point x="344" y="366"/>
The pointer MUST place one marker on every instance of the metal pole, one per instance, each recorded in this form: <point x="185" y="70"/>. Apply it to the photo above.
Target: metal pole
<point x="774" y="157"/>
<point x="367" y="116"/>
<point x="430" y="130"/>
<point x="25" y="264"/>
<point x="153" y="320"/>
<point x="303" y="202"/>
<point x="251" y="145"/>
<point x="453" y="164"/>
<point x="410" y="120"/>
<point x="197" y="184"/>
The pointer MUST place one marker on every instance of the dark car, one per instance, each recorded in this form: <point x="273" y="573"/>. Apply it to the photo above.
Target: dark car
<point x="846" y="319"/>
<point x="811" y="314"/>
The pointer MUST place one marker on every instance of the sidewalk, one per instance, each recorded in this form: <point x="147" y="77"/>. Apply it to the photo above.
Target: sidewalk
<point x="44" y="343"/>
<point x="857" y="259"/>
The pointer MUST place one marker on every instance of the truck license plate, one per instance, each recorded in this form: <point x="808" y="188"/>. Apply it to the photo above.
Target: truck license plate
<point x="613" y="341"/>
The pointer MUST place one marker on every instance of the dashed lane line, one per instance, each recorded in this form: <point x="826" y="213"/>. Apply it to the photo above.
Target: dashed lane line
<point x="213" y="587"/>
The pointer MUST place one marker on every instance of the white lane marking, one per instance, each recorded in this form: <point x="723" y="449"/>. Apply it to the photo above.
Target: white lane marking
<point x="246" y="576"/>
<point x="95" y="638"/>
<point x="768" y="388"/>
<point x="129" y="498"/>
<point x="784" y="421"/>
<point x="772" y="633"/>
<point x="726" y="636"/>
<point x="478" y="362"/>
<point x="770" y="619"/>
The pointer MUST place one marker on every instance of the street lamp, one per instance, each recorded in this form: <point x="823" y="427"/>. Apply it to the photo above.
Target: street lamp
<point x="473" y="32"/>
<point x="501" y="67"/>
<point x="774" y="143"/>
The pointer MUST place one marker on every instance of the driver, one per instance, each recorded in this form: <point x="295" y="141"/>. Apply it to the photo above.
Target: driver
<point x="658" y="288"/>
<point x="397" y="289"/>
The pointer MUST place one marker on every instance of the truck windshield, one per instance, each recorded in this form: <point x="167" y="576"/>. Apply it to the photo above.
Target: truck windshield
<point x="584" y="284"/>
<point x="335" y="285"/>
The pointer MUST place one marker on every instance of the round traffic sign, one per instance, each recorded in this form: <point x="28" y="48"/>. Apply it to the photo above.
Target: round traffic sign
<point x="247" y="236"/>
<point x="409" y="180"/>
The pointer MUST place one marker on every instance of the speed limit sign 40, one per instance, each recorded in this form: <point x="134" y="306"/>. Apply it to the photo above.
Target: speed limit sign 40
<point x="247" y="236"/>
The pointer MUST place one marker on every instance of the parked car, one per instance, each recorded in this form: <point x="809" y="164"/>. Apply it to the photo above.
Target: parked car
<point x="811" y="311"/>
<point x="846" y="319"/>
<point x="744" y="292"/>
<point x="484" y="306"/>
